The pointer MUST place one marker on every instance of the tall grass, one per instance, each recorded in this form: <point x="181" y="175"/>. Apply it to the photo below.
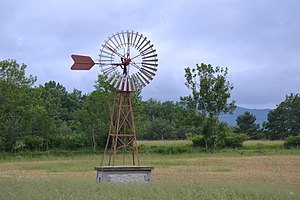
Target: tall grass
<point x="181" y="172"/>
<point x="84" y="189"/>
<point x="173" y="148"/>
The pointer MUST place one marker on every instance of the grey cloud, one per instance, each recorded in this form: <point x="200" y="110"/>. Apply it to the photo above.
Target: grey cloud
<point x="257" y="40"/>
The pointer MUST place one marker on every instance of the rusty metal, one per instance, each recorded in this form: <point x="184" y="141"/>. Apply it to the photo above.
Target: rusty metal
<point x="129" y="62"/>
<point x="122" y="134"/>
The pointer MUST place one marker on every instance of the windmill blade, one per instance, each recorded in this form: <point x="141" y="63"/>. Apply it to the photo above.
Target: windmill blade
<point x="82" y="62"/>
<point x="108" y="77"/>
<point x="141" y="36"/>
<point x="136" y="34"/>
<point x="136" y="82"/>
<point x="113" y="80"/>
<point x="108" y="70"/>
<point x="152" y="60"/>
<point x="145" y="46"/>
<point x="133" y="88"/>
<point x="131" y="38"/>
<point x="116" y="40"/>
<point x="129" y="86"/>
<point x="104" y="56"/>
<point x="117" y="83"/>
<point x="152" y="56"/>
<point x="107" y="60"/>
<point x="128" y="38"/>
<point x="138" y="48"/>
<point x="121" y="84"/>
<point x="151" y="68"/>
<point x="152" y="73"/>
<point x="140" y="79"/>
<point x="142" y="74"/>
<point x="150" y="47"/>
<point x="111" y="49"/>
<point x="120" y="40"/>
<point x="150" y="64"/>
<point x="112" y="41"/>
<point x="108" y="53"/>
<point x="126" y="85"/>
<point x="123" y="36"/>
<point x="149" y="52"/>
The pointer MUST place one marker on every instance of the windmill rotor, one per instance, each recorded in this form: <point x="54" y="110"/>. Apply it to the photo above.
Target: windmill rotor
<point x="128" y="60"/>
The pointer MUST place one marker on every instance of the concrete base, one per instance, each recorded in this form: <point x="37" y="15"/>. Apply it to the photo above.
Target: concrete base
<point x="123" y="174"/>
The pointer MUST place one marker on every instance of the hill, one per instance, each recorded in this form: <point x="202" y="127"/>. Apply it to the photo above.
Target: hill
<point x="260" y="114"/>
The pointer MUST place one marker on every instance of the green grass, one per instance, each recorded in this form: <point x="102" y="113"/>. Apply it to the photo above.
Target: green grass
<point x="259" y="170"/>
<point x="63" y="166"/>
<point x="86" y="189"/>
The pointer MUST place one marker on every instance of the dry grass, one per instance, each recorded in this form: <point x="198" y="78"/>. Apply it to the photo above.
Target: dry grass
<point x="174" y="177"/>
<point x="272" y="170"/>
<point x="268" y="169"/>
<point x="264" y="142"/>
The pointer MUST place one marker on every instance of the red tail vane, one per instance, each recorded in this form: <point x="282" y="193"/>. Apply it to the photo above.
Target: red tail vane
<point x="82" y="62"/>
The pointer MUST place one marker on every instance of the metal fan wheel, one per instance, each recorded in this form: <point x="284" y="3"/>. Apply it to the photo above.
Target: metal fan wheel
<point x="128" y="60"/>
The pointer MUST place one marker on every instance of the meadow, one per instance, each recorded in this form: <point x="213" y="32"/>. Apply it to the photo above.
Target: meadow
<point x="259" y="170"/>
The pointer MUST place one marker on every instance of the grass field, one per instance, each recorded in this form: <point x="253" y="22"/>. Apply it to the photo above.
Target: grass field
<point x="262" y="171"/>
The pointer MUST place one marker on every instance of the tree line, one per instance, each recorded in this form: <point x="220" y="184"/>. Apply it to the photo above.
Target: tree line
<point x="48" y="116"/>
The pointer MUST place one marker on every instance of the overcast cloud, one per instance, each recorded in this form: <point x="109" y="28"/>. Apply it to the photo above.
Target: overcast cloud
<point x="258" y="40"/>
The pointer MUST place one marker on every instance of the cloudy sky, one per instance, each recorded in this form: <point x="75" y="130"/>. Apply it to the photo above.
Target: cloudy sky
<point x="258" y="40"/>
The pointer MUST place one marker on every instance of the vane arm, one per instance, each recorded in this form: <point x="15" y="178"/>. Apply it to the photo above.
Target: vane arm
<point x="135" y="56"/>
<point x="135" y="65"/>
<point x="115" y="64"/>
<point x="114" y="51"/>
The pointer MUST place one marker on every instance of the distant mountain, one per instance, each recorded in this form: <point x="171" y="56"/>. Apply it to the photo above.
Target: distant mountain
<point x="260" y="114"/>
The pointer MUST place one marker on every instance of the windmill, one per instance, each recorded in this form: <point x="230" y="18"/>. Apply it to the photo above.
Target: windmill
<point x="129" y="62"/>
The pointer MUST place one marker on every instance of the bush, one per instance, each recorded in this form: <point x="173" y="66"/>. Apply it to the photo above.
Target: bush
<point x="198" y="140"/>
<point x="231" y="140"/>
<point x="70" y="142"/>
<point x="172" y="149"/>
<point x="34" y="142"/>
<point x="292" y="142"/>
<point x="235" y="140"/>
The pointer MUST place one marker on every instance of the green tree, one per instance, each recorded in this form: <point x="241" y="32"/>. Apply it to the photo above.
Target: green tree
<point x="284" y="120"/>
<point x="160" y="120"/>
<point x="210" y="90"/>
<point x="94" y="116"/>
<point x="246" y="124"/>
<point x="15" y="102"/>
<point x="210" y="93"/>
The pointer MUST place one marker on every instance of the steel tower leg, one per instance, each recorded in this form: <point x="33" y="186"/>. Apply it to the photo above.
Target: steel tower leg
<point x="122" y="134"/>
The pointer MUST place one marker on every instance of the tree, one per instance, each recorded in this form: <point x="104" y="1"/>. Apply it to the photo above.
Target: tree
<point x="246" y="124"/>
<point x="160" y="119"/>
<point x="210" y="93"/>
<point x="15" y="104"/>
<point x="284" y="120"/>
<point x="210" y="90"/>
<point x="94" y="116"/>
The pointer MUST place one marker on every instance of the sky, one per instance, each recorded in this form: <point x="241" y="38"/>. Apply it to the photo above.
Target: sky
<point x="258" y="41"/>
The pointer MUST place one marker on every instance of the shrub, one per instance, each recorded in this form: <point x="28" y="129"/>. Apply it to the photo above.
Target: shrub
<point x="172" y="149"/>
<point x="34" y="142"/>
<point x="70" y="142"/>
<point x="292" y="142"/>
<point x="235" y="140"/>
<point x="198" y="140"/>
